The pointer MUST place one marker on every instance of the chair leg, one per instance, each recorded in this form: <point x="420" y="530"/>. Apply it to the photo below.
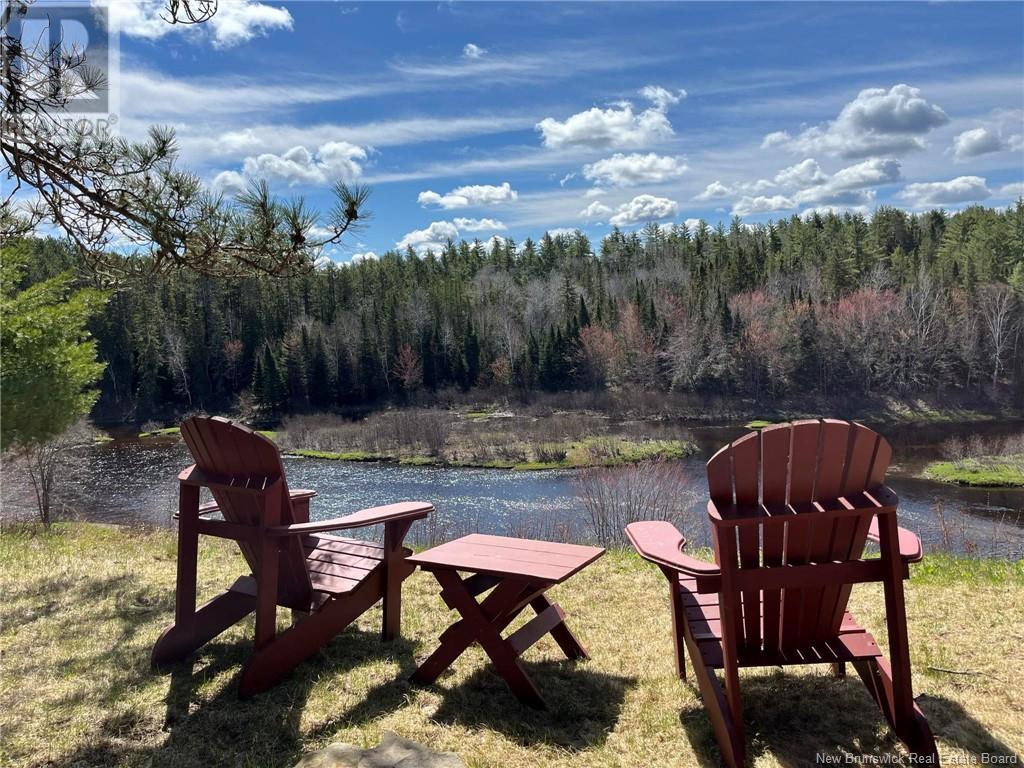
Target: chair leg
<point x="395" y="573"/>
<point x="396" y="570"/>
<point x="839" y="669"/>
<point x="678" y="629"/>
<point x="274" y="661"/>
<point x="179" y="640"/>
<point x="727" y="734"/>
<point x="912" y="730"/>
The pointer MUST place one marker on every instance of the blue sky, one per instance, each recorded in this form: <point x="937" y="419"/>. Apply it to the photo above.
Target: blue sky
<point x="475" y="119"/>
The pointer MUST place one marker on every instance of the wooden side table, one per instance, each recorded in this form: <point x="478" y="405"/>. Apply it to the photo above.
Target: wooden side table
<point x="518" y="572"/>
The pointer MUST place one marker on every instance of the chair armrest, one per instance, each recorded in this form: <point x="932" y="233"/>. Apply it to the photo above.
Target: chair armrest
<point x="405" y="510"/>
<point x="910" y="545"/>
<point x="662" y="544"/>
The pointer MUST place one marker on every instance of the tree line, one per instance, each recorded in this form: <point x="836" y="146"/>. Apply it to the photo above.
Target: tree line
<point x="828" y="304"/>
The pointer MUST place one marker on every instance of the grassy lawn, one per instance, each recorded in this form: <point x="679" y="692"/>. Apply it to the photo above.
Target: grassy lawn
<point x="83" y="605"/>
<point x="983" y="472"/>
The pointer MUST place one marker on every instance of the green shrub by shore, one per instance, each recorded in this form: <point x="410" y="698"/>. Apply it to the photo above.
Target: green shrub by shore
<point x="591" y="452"/>
<point x="981" y="472"/>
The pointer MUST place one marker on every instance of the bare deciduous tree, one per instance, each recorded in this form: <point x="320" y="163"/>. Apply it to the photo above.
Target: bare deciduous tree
<point x="614" y="497"/>
<point x="177" y="361"/>
<point x="996" y="305"/>
<point x="45" y="463"/>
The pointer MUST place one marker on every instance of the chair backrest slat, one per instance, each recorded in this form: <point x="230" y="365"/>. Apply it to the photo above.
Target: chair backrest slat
<point x="224" y="448"/>
<point x="783" y="482"/>
<point x="720" y="476"/>
<point x="775" y="447"/>
<point x="803" y="461"/>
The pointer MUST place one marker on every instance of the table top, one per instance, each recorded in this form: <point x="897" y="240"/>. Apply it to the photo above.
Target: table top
<point x="503" y="556"/>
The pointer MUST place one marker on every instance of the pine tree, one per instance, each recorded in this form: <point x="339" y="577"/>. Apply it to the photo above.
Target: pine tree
<point x="321" y="384"/>
<point x="471" y="349"/>
<point x="271" y="395"/>
<point x="583" y="316"/>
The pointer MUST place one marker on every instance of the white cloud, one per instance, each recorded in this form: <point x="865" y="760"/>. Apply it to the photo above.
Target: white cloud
<point x="434" y="237"/>
<point x="662" y="98"/>
<point x="809" y="184"/>
<point x="561" y="231"/>
<point x="229" y="182"/>
<point x="471" y="195"/>
<point x="806" y="173"/>
<point x="747" y="205"/>
<point x="365" y="256"/>
<point x="595" y="192"/>
<point x="644" y="208"/>
<point x="714" y="191"/>
<point x="235" y="22"/>
<point x="692" y="224"/>
<point x="480" y="225"/>
<point x="595" y="210"/>
<point x="1014" y="189"/>
<point x="866" y="174"/>
<point x="333" y="161"/>
<point x="617" y="127"/>
<point x="983" y="141"/>
<point x="848" y="186"/>
<point x="621" y="170"/>
<point x="776" y="139"/>
<point x="962" y="189"/>
<point x="876" y="122"/>
<point x="473" y="51"/>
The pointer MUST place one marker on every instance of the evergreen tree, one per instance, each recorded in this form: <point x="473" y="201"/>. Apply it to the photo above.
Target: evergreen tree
<point x="321" y="385"/>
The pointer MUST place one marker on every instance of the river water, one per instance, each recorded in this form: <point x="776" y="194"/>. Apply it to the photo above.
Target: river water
<point x="131" y="481"/>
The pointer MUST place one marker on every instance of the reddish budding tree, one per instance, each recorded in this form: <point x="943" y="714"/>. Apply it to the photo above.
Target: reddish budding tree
<point x="863" y="328"/>
<point x="407" y="368"/>
<point x="596" y="355"/>
<point x="233" y="349"/>
<point x="637" y="360"/>
<point x="766" y="348"/>
<point x="501" y="372"/>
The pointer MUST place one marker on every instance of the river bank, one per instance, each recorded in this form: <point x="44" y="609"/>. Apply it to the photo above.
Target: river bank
<point x="131" y="480"/>
<point x="571" y="430"/>
<point x="84" y="604"/>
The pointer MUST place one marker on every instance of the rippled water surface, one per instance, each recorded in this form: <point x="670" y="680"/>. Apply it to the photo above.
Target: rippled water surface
<point x="133" y="481"/>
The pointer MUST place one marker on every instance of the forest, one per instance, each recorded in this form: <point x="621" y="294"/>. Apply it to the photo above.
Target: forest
<point x="829" y="304"/>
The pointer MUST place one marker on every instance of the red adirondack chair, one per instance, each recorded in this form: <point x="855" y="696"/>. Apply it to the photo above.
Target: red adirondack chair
<point x="327" y="581"/>
<point x="791" y="509"/>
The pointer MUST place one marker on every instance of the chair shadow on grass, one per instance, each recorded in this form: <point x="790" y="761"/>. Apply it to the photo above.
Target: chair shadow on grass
<point x="805" y="719"/>
<point x="265" y="727"/>
<point x="222" y="730"/>
<point x="583" y="706"/>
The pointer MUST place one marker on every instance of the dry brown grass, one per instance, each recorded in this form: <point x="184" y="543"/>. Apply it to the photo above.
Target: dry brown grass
<point x="83" y="605"/>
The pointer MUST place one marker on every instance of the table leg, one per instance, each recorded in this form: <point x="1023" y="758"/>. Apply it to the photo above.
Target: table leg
<point x="571" y="647"/>
<point x="460" y="635"/>
<point x="483" y="623"/>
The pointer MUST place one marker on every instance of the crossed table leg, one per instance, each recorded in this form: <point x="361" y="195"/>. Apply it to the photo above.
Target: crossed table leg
<point x="483" y="622"/>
